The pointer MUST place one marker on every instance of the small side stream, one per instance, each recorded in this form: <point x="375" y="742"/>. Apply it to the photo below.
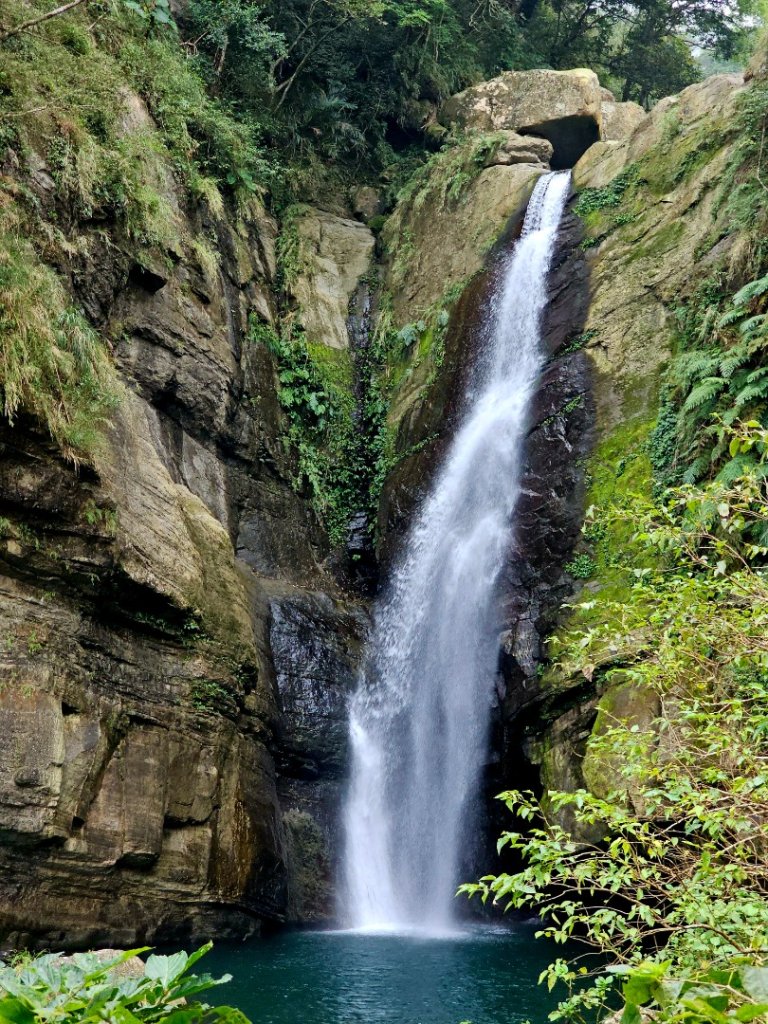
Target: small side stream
<point x="484" y="976"/>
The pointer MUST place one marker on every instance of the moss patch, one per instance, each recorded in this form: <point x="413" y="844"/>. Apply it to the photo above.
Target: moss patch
<point x="618" y="474"/>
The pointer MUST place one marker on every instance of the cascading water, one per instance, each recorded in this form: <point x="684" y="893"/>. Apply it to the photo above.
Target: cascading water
<point x="419" y="719"/>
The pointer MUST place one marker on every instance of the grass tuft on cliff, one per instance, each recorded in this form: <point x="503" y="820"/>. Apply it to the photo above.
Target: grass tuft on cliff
<point x="52" y="363"/>
<point x="104" y="127"/>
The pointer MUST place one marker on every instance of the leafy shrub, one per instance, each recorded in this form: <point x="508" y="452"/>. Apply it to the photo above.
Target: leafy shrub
<point x="581" y="567"/>
<point x="315" y="391"/>
<point x="669" y="881"/>
<point x="593" y="199"/>
<point x="211" y="695"/>
<point x="83" y="989"/>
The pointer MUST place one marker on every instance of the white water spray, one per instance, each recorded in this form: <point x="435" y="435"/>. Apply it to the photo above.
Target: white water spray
<point x="419" y="719"/>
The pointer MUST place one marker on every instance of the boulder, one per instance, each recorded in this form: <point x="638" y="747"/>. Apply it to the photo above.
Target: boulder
<point x="562" y="106"/>
<point x="334" y="253"/>
<point x="636" y="706"/>
<point x="521" y="149"/>
<point x="131" y="968"/>
<point x="446" y="241"/>
<point x="619" y="120"/>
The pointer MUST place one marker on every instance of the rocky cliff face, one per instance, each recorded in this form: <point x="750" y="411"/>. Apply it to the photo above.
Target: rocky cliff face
<point x="657" y="228"/>
<point x="173" y="648"/>
<point x="176" y="642"/>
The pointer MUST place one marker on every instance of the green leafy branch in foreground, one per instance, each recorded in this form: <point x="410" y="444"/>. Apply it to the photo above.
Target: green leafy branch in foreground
<point x="83" y="989"/>
<point x="667" y="879"/>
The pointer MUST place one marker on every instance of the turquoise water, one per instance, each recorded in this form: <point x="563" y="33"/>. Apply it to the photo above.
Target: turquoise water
<point x="486" y="976"/>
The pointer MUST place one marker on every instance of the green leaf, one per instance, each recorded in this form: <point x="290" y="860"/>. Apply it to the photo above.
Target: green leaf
<point x="14" y="1011"/>
<point x="166" y="969"/>
<point x="631" y="1014"/>
<point x="751" y="1012"/>
<point x="755" y="982"/>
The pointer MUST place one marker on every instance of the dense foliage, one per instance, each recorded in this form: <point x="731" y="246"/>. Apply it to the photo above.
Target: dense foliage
<point x="667" y="877"/>
<point x="354" y="83"/>
<point x="84" y="989"/>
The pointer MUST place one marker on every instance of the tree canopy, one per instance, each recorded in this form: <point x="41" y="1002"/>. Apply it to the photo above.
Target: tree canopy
<point x="356" y="78"/>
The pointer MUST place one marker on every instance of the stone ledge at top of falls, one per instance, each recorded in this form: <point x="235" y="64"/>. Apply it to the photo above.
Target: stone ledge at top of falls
<point x="570" y="108"/>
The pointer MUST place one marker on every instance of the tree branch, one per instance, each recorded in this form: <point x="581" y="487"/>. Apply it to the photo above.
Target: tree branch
<point x="8" y="33"/>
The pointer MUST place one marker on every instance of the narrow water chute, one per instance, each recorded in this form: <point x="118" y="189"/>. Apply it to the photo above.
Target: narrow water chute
<point x="419" y="719"/>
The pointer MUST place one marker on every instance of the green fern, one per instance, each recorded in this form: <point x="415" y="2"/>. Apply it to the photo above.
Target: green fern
<point x="752" y="326"/>
<point x="733" y="362"/>
<point x="730" y="416"/>
<point x="751" y="291"/>
<point x="731" y="317"/>
<point x="734" y="469"/>
<point x="693" y="366"/>
<point x="703" y="393"/>
<point x="696" y="470"/>
<point x="752" y="393"/>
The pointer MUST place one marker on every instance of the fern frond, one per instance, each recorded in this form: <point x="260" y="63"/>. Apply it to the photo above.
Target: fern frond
<point x="756" y="343"/>
<point x="704" y="392"/>
<point x="695" y="365"/>
<point x="751" y="291"/>
<point x="696" y="470"/>
<point x="731" y="317"/>
<point x="760" y="534"/>
<point x="751" y="327"/>
<point x="752" y="393"/>
<point x="734" y="469"/>
<point x="733" y="362"/>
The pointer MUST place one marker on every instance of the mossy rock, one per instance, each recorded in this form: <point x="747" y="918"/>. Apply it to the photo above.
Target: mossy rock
<point x="624" y="704"/>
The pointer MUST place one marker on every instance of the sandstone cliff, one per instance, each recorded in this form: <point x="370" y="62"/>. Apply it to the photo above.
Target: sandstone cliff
<point x="172" y="640"/>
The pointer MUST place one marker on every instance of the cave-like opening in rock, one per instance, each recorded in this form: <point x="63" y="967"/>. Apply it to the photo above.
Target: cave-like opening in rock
<point x="571" y="137"/>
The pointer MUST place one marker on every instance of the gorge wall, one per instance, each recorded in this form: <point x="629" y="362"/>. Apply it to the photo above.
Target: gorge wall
<point x="179" y="633"/>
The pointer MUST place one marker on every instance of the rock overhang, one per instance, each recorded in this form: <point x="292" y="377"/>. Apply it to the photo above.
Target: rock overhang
<point x="570" y="109"/>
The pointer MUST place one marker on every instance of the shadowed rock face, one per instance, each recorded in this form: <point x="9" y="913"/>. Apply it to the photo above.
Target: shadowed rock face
<point x="570" y="138"/>
<point x="315" y="644"/>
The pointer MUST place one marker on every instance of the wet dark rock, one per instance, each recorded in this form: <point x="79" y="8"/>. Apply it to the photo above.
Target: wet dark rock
<point x="551" y="506"/>
<point x="315" y="652"/>
<point x="315" y="646"/>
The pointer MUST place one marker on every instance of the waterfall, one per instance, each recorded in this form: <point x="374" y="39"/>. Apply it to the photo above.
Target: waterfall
<point x="419" y="719"/>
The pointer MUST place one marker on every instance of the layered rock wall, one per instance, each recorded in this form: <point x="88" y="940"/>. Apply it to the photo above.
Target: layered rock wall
<point x="161" y="606"/>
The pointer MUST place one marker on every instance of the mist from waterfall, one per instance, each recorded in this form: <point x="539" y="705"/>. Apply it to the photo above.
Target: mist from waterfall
<point x="419" y="719"/>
